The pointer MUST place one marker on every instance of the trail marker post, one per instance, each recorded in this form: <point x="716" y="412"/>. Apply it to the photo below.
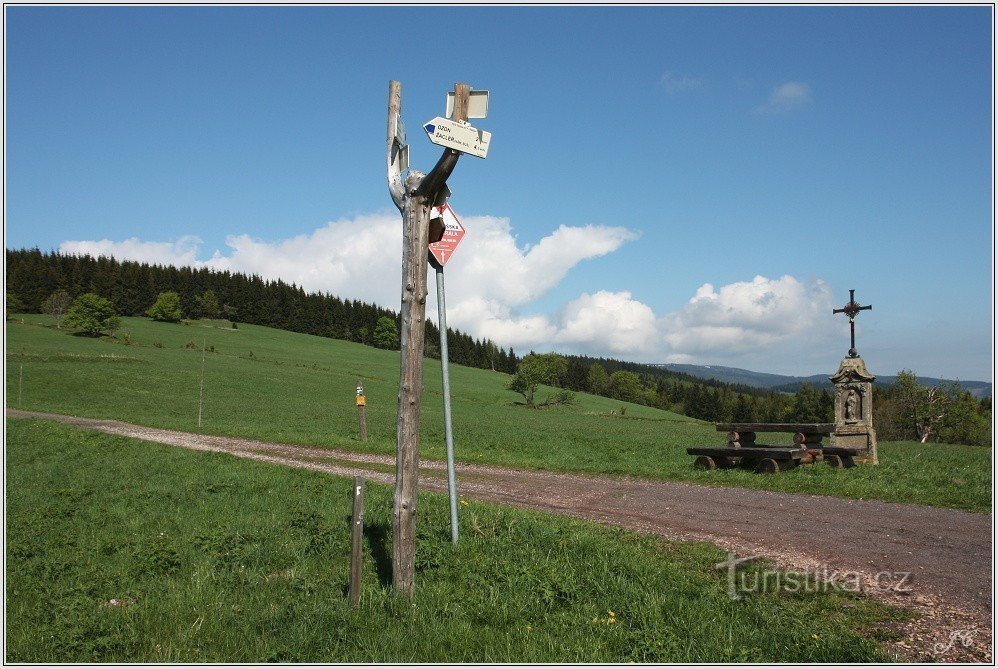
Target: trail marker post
<point x="201" y="388"/>
<point x="414" y="197"/>
<point x="362" y="410"/>
<point x="356" y="536"/>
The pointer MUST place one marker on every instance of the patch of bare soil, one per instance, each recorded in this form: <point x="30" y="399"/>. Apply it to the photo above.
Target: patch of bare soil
<point x="937" y="562"/>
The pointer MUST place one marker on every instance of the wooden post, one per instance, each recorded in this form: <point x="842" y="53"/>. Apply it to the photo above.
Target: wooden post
<point x="413" y="200"/>
<point x="201" y="390"/>
<point x="356" y="535"/>
<point x="362" y="410"/>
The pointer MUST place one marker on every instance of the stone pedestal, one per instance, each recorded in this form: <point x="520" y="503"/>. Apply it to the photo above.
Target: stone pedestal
<point x="854" y="410"/>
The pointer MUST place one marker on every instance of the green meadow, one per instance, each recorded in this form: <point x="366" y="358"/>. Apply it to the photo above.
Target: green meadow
<point x="281" y="386"/>
<point x="128" y="551"/>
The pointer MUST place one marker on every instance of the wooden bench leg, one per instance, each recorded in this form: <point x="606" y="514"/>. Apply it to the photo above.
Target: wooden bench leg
<point x="704" y="462"/>
<point x="767" y="466"/>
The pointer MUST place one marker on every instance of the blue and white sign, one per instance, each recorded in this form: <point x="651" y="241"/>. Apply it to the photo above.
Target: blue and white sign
<point x="458" y="136"/>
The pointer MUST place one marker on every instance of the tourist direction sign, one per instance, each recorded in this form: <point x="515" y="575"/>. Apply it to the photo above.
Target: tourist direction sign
<point x="453" y="232"/>
<point x="458" y="136"/>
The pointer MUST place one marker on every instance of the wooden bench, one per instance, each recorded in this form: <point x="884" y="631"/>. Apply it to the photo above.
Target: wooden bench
<point x="742" y="448"/>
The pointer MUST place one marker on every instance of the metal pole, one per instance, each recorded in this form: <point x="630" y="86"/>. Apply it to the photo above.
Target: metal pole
<point x="20" y="384"/>
<point x="448" y="432"/>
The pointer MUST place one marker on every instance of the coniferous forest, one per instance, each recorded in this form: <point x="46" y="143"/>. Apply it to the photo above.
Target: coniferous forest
<point x="32" y="276"/>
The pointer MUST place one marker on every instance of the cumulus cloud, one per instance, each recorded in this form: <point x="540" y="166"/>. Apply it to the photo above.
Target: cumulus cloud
<point x="358" y="258"/>
<point x="181" y="252"/>
<point x="749" y="316"/>
<point x="786" y="97"/>
<point x="609" y="323"/>
<point x="494" y="282"/>
<point x="674" y="83"/>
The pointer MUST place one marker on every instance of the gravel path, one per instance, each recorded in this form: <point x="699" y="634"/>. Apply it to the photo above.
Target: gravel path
<point x="948" y="553"/>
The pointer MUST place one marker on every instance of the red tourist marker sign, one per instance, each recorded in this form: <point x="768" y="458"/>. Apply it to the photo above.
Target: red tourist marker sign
<point x="453" y="232"/>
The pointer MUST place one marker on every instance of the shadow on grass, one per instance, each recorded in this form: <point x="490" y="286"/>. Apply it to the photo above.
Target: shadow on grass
<point x="379" y="538"/>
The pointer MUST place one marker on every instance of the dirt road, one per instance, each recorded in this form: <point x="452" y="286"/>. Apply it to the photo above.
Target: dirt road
<point x="946" y="553"/>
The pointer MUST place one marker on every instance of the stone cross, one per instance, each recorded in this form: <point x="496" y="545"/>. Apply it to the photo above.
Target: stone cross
<point x="851" y="309"/>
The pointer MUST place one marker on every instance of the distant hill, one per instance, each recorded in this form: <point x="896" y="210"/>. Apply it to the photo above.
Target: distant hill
<point x="783" y="383"/>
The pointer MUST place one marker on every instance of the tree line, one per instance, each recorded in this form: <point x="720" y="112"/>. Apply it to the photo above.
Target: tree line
<point x="905" y="410"/>
<point x="133" y="288"/>
<point x="51" y="282"/>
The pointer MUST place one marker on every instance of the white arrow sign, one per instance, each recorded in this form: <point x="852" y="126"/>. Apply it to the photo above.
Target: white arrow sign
<point x="459" y="136"/>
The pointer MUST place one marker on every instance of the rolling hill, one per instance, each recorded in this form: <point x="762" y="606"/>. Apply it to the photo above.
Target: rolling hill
<point x="783" y="383"/>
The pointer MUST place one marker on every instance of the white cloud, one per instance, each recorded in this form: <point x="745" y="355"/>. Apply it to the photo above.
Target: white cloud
<point x="785" y="98"/>
<point x="493" y="282"/>
<point x="609" y="323"/>
<point x="749" y="316"/>
<point x="676" y="83"/>
<point x="181" y="252"/>
<point x="359" y="259"/>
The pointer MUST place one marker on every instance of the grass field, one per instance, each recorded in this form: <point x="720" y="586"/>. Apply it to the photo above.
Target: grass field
<point x="128" y="551"/>
<point x="275" y="385"/>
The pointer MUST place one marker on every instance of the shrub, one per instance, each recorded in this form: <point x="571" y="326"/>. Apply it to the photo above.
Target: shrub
<point x="56" y="305"/>
<point x="92" y="314"/>
<point x="386" y="334"/>
<point x="166" y="308"/>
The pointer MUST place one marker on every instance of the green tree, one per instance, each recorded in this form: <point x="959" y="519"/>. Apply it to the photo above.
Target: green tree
<point x="598" y="379"/>
<point x="166" y="308"/>
<point x="806" y="406"/>
<point x="965" y="422"/>
<point x="536" y="369"/>
<point x="918" y="409"/>
<point x="207" y="304"/>
<point x="386" y="334"/>
<point x="626" y="386"/>
<point x="92" y="314"/>
<point x="56" y="305"/>
<point x="13" y="304"/>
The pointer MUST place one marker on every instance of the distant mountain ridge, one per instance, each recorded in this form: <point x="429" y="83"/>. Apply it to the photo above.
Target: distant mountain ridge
<point x="783" y="383"/>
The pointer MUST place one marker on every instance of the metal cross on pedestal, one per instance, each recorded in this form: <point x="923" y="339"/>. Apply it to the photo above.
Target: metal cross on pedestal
<point x="850" y="310"/>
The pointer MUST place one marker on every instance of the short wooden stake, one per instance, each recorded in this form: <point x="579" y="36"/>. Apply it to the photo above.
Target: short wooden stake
<point x="356" y="535"/>
<point x="201" y="390"/>
<point x="362" y="411"/>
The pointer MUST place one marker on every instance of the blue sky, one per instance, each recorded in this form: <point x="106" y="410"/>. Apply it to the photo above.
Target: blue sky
<point x="637" y="155"/>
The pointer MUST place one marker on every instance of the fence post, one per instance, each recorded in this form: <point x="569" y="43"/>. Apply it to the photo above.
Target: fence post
<point x="201" y="389"/>
<point x="356" y="535"/>
<point x="362" y="410"/>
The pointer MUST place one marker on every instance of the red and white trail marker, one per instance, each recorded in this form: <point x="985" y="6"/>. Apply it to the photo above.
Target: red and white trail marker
<point x="453" y="232"/>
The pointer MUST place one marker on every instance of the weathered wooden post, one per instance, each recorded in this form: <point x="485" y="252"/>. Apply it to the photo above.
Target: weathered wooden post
<point x="414" y="198"/>
<point x="356" y="535"/>
<point x="201" y="388"/>
<point x="362" y="410"/>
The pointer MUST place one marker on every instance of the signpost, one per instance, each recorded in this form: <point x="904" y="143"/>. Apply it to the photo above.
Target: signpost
<point x="362" y="410"/>
<point x="414" y="198"/>
<point x="459" y="136"/>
